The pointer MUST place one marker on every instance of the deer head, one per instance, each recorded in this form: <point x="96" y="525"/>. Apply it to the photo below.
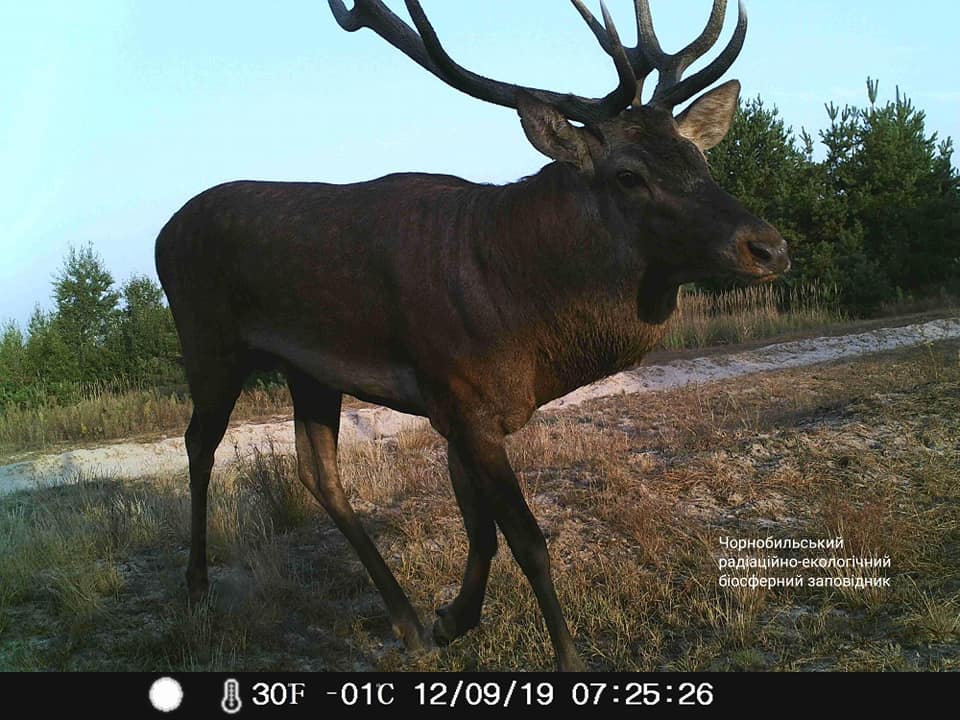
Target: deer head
<point x="644" y="167"/>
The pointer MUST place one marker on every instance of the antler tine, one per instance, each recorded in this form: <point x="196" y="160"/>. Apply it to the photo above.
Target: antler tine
<point x="347" y="19"/>
<point x="385" y="23"/>
<point x="629" y="84"/>
<point x="707" y="38"/>
<point x="647" y="41"/>
<point x="453" y="73"/>
<point x="638" y="61"/>
<point x="672" y="91"/>
<point x="598" y="30"/>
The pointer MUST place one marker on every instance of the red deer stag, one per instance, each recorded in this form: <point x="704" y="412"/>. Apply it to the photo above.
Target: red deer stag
<point x="469" y="304"/>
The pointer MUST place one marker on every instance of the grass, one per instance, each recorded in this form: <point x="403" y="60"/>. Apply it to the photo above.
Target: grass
<point x="757" y="311"/>
<point x="633" y="494"/>
<point x="105" y="414"/>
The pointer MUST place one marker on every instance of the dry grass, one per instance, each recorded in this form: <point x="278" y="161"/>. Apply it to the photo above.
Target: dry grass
<point x="742" y="314"/>
<point x="633" y="493"/>
<point x="105" y="414"/>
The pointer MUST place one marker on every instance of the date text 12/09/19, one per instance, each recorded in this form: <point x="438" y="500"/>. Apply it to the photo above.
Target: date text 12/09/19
<point x="464" y="693"/>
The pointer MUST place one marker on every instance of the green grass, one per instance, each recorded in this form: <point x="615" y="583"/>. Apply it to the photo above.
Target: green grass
<point x="633" y="494"/>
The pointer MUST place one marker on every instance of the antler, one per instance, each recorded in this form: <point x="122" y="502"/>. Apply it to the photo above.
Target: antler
<point x="425" y="49"/>
<point x="648" y="56"/>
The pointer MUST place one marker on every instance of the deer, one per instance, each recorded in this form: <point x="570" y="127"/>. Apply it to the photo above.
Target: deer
<point x="469" y="304"/>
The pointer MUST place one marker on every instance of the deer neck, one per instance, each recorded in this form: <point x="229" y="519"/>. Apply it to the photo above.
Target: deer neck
<point x="591" y="306"/>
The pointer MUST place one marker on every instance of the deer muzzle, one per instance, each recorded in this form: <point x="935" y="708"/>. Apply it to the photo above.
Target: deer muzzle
<point x="761" y="252"/>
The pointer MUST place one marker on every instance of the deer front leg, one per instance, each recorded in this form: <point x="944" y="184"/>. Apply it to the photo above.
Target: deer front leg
<point x="463" y="613"/>
<point x="485" y="459"/>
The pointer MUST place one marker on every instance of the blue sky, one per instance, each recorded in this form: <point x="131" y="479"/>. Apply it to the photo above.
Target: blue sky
<point x="114" y="112"/>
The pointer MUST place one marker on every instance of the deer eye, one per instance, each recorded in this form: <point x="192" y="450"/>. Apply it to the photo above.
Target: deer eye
<point x="630" y="180"/>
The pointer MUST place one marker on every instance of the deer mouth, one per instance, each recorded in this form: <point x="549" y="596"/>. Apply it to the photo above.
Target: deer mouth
<point x="761" y="279"/>
<point x="758" y="276"/>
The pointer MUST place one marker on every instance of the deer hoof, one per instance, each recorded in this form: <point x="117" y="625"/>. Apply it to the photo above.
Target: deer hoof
<point x="197" y="590"/>
<point x="450" y="624"/>
<point x="412" y="635"/>
<point x="571" y="663"/>
<point x="445" y="629"/>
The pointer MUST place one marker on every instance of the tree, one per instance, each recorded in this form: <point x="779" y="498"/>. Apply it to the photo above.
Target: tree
<point x="12" y="363"/>
<point x="759" y="162"/>
<point x="880" y="213"/>
<point x="86" y="312"/>
<point x="48" y="362"/>
<point x="147" y="336"/>
<point x="904" y="179"/>
<point x="900" y="187"/>
<point x="836" y="253"/>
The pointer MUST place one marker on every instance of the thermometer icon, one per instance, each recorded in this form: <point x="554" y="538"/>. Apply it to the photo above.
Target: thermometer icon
<point x="231" y="697"/>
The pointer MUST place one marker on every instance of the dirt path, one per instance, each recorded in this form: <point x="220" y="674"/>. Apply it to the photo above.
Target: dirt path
<point x="365" y="424"/>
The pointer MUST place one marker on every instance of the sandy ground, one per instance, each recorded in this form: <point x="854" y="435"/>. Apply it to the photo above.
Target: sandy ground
<point x="367" y="424"/>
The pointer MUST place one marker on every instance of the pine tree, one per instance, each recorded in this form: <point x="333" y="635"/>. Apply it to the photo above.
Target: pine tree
<point x="901" y="188"/>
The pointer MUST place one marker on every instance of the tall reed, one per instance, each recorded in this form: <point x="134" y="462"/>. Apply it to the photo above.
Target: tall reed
<point x="749" y="313"/>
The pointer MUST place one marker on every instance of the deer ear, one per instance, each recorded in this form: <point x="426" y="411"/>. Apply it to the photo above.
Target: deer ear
<point x="552" y="134"/>
<point x="706" y="122"/>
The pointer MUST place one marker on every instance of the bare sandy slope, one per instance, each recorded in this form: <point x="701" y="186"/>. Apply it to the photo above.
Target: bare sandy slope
<point x="366" y="424"/>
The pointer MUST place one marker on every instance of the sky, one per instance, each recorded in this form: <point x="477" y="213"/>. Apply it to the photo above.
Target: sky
<point x="113" y="113"/>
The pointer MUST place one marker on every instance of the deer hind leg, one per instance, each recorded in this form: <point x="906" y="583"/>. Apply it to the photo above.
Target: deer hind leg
<point x="464" y="612"/>
<point x="213" y="402"/>
<point x="317" y="423"/>
<point x="485" y="458"/>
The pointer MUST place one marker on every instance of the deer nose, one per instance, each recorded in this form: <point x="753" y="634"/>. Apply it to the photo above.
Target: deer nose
<point x="764" y="250"/>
